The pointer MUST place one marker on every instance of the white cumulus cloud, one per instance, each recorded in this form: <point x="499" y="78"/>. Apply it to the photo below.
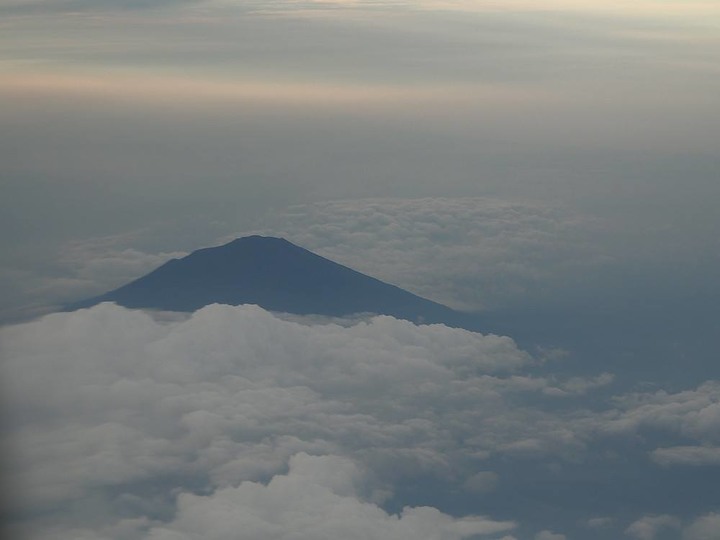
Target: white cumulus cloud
<point x="315" y="500"/>
<point x="119" y="424"/>
<point x="105" y="402"/>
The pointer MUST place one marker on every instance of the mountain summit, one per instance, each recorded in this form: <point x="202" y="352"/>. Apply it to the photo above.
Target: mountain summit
<point x="276" y="275"/>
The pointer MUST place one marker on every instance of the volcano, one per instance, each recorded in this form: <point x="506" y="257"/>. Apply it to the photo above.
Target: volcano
<point x="276" y="275"/>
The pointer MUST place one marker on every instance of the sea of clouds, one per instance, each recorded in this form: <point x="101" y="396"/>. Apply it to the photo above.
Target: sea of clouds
<point x="234" y="422"/>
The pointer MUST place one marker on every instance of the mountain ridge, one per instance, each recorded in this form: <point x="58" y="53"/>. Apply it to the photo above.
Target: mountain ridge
<point x="278" y="276"/>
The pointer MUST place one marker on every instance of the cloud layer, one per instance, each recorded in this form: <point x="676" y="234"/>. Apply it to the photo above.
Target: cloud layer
<point x="471" y="253"/>
<point x="317" y="499"/>
<point x="121" y="425"/>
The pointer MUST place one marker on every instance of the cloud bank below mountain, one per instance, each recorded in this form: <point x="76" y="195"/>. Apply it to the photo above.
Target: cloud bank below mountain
<point x="121" y="425"/>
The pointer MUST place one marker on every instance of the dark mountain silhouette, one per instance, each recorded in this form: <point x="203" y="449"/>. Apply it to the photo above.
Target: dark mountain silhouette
<point x="276" y="275"/>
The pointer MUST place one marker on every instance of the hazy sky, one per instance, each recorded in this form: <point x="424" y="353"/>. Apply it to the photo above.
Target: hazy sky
<point x="162" y="126"/>
<point x="551" y="164"/>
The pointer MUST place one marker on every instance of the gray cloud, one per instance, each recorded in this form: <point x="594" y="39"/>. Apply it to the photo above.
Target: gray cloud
<point x="599" y="522"/>
<point x="704" y="527"/>
<point x="549" y="535"/>
<point x="648" y="527"/>
<point x="113" y="407"/>
<point x="575" y="386"/>
<point x="506" y="255"/>
<point x="482" y="482"/>
<point x="687" y="455"/>
<point x="470" y="253"/>
<point x="79" y="270"/>
<point x="316" y="500"/>
<point x="230" y="394"/>
<point x="694" y="414"/>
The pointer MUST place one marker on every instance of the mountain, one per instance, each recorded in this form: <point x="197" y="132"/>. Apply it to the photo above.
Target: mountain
<point x="276" y="275"/>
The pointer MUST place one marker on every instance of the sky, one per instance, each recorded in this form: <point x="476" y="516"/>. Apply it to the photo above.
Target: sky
<point x="550" y="165"/>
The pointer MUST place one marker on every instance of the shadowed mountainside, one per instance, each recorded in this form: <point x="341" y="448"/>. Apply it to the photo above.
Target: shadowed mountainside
<point x="276" y="275"/>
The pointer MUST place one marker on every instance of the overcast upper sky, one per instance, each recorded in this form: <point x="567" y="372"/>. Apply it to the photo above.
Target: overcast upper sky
<point x="550" y="164"/>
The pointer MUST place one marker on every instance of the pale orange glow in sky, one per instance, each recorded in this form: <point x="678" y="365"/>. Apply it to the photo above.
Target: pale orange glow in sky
<point x="638" y="8"/>
<point x="635" y="8"/>
<point x="168" y="89"/>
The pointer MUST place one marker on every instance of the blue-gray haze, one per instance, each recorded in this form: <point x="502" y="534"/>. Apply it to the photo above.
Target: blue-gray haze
<point x="549" y="166"/>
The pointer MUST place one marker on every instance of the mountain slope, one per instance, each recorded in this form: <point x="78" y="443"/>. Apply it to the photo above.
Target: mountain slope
<point x="276" y="275"/>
